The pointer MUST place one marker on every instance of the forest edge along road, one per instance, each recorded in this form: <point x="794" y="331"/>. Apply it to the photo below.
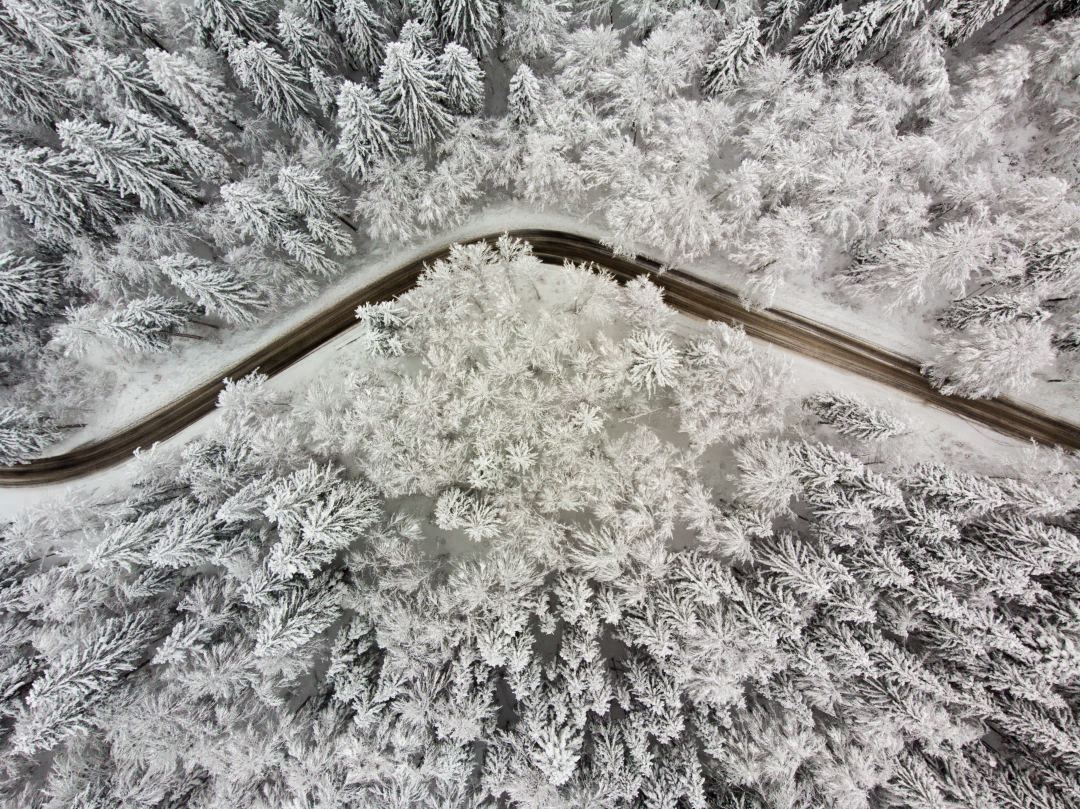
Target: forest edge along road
<point x="682" y="291"/>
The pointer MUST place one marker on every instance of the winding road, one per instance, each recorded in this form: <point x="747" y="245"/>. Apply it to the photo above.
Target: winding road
<point x="682" y="291"/>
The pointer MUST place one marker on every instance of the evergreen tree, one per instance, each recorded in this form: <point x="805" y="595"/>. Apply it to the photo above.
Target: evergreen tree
<point x="27" y="288"/>
<point x="145" y="324"/>
<point x="196" y="91"/>
<point x="988" y="310"/>
<point x="463" y="79"/>
<point x="24" y="434"/>
<point x="126" y="19"/>
<point x="365" y="131"/>
<point x="533" y="27"/>
<point x="55" y="195"/>
<point x="735" y="53"/>
<point x="51" y="29"/>
<point x="309" y="193"/>
<point x="524" y="101"/>
<point x="779" y="17"/>
<point x="278" y="86"/>
<point x="362" y="32"/>
<point x="305" y="43"/>
<point x="29" y="87"/>
<point x="213" y="287"/>
<point x="219" y="20"/>
<point x="990" y="360"/>
<point x="117" y="158"/>
<point x="817" y="41"/>
<point x="851" y="417"/>
<point x="119" y="82"/>
<point x="472" y="23"/>
<point x="255" y="212"/>
<point x="858" y="30"/>
<point x="410" y="89"/>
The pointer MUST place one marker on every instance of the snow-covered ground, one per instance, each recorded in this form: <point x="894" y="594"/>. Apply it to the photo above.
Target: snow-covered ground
<point x="937" y="434"/>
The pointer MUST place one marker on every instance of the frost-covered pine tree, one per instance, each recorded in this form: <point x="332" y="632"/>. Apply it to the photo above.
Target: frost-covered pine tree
<point x="365" y="128"/>
<point x="29" y="87"/>
<point x="55" y="195"/>
<point x="214" y="287"/>
<point x="28" y="288"/>
<point x="852" y="417"/>
<point x="735" y="53"/>
<point x="362" y="32"/>
<point x="306" y="44"/>
<point x="279" y="87"/>
<point x="255" y="211"/>
<point x="992" y="360"/>
<point x="472" y="23"/>
<point x="117" y="158"/>
<point x="990" y="309"/>
<point x="410" y="88"/>
<point x="194" y="89"/>
<point x="117" y="81"/>
<point x="463" y="79"/>
<point x="221" y="20"/>
<point x="144" y="324"/>
<point x="532" y="28"/>
<point x="816" y="44"/>
<point x="24" y="433"/>
<point x="524" y="101"/>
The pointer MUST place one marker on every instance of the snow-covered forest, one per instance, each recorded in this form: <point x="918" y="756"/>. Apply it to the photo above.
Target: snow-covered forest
<point x="536" y="546"/>
<point x="173" y="172"/>
<point x="532" y="539"/>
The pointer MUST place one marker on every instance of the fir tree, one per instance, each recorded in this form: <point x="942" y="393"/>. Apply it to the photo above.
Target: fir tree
<point x="305" y="43"/>
<point x="55" y="195"/>
<point x="120" y="82"/>
<point x="27" y="288"/>
<point x="309" y="193"/>
<point x="988" y="310"/>
<point x="199" y="93"/>
<point x="463" y="79"/>
<point x="29" y="87"/>
<point x="219" y="20"/>
<point x="817" y="41"/>
<point x="472" y="23"/>
<point x="117" y="158"/>
<point x="145" y="324"/>
<point x="214" y="287"/>
<point x="257" y="213"/>
<point x="278" y="87"/>
<point x="524" y="101"/>
<point x="362" y="32"/>
<point x="365" y="131"/>
<point x="23" y="434"/>
<point x="736" y="52"/>
<point x="410" y="89"/>
<point x="851" y="417"/>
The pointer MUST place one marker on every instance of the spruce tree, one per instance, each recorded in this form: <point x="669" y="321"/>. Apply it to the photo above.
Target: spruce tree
<point x="214" y="287"/>
<point x="196" y="91"/>
<point x="852" y="417"/>
<point x="145" y="324"/>
<point x="278" y="86"/>
<point x="220" y="20"/>
<point x="121" y="82"/>
<point x="119" y="160"/>
<point x="463" y="79"/>
<point x="55" y="195"/>
<point x="816" y="43"/>
<point x="363" y="34"/>
<point x="410" y="89"/>
<point x="27" y="288"/>
<point x="305" y="43"/>
<point x="29" y="86"/>
<point x="472" y="23"/>
<point x="739" y="50"/>
<point x="524" y="101"/>
<point x="24" y="433"/>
